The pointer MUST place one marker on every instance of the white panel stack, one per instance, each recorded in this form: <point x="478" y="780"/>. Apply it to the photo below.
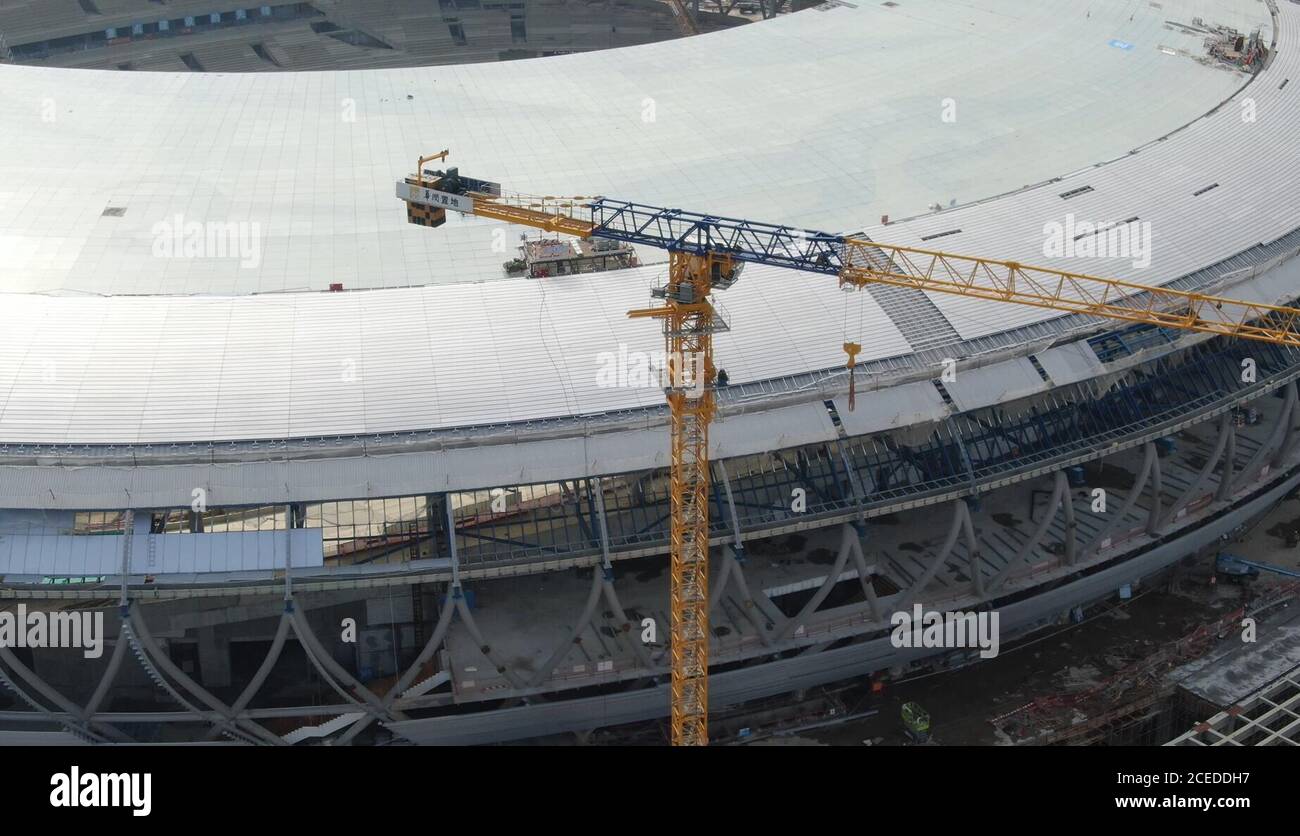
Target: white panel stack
<point x="76" y="556"/>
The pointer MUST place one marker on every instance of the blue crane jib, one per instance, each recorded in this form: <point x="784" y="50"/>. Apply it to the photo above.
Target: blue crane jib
<point x="676" y="230"/>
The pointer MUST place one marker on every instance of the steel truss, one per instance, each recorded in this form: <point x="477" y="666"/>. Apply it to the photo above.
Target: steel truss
<point x="960" y="552"/>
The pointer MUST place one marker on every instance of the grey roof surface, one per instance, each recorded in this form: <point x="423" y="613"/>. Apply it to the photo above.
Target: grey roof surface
<point x="824" y="119"/>
<point x="817" y="129"/>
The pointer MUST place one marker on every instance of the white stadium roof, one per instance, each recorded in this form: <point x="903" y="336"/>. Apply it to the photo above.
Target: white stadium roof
<point x="825" y="119"/>
<point x="822" y="119"/>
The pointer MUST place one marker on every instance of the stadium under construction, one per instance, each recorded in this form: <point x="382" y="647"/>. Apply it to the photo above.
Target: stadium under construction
<point x="331" y="477"/>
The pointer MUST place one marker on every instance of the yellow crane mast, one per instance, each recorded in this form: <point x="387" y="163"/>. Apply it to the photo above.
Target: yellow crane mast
<point x="706" y="254"/>
<point x="689" y="322"/>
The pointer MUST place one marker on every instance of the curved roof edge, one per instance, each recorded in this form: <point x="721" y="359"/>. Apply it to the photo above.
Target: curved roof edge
<point x="52" y="483"/>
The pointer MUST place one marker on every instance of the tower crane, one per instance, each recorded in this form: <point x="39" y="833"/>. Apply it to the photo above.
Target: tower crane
<point x="706" y="253"/>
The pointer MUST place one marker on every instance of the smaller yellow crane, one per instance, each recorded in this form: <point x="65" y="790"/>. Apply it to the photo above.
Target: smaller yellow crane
<point x="706" y="253"/>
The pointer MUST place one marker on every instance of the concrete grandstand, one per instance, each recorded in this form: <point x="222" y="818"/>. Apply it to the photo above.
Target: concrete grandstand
<point x="229" y="460"/>
<point x="202" y="36"/>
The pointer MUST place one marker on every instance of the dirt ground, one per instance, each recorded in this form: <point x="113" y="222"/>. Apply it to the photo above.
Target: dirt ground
<point x="1070" y="657"/>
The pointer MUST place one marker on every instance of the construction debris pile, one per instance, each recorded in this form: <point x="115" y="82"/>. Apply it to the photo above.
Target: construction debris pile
<point x="1231" y="47"/>
<point x="549" y="256"/>
<point x="1224" y="46"/>
<point x="1084" y="717"/>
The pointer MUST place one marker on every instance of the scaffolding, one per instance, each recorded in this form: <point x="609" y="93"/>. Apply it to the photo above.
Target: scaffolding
<point x="1268" y="717"/>
<point x="1139" y="692"/>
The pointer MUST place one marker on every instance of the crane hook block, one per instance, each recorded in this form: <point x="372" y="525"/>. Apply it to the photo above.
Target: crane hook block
<point x="852" y="350"/>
